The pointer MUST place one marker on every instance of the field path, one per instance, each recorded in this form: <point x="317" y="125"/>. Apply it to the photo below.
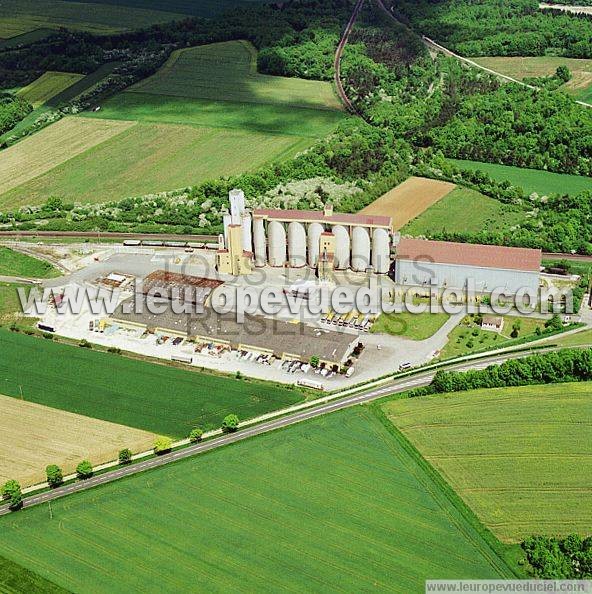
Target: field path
<point x="53" y="146"/>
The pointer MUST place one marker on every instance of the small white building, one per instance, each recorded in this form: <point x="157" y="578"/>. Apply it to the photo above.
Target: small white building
<point x="493" y="324"/>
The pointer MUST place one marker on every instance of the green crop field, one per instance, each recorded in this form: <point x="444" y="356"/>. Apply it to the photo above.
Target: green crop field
<point x="10" y="306"/>
<point x="531" y="180"/>
<point x="16" y="579"/>
<point x="408" y="325"/>
<point x="180" y="141"/>
<point x="16" y="264"/>
<point x="22" y="16"/>
<point x="464" y="211"/>
<point x="10" y="38"/>
<point x="157" y="398"/>
<point x="228" y="71"/>
<point x="521" y="458"/>
<point x="332" y="505"/>
<point x="150" y="157"/>
<point x="201" y="8"/>
<point x="47" y="86"/>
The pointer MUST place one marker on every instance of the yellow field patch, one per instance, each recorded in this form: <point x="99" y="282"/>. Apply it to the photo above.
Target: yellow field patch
<point x="520" y="67"/>
<point x="33" y="436"/>
<point x="409" y="199"/>
<point x="47" y="86"/>
<point x="53" y="146"/>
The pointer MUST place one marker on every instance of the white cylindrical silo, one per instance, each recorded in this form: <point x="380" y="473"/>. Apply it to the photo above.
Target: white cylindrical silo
<point x="360" y="249"/>
<point x="314" y="242"/>
<point x="260" y="243"/>
<point x="296" y="245"/>
<point x="247" y="232"/>
<point x="381" y="251"/>
<point x="277" y="244"/>
<point x="342" y="247"/>
<point x="227" y="220"/>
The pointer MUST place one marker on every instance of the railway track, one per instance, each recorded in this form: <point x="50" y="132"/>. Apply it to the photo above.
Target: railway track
<point x="107" y="236"/>
<point x="339" y="54"/>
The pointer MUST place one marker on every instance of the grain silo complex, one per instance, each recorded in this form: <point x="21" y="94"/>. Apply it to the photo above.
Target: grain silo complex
<point x="298" y="238"/>
<point x="292" y="238"/>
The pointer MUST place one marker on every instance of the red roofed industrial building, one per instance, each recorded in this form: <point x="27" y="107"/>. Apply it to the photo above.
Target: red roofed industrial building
<point x="446" y="264"/>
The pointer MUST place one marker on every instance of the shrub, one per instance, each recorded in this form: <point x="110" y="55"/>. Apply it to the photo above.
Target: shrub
<point x="230" y="424"/>
<point x="163" y="445"/>
<point x="84" y="470"/>
<point x="125" y="456"/>
<point x="55" y="476"/>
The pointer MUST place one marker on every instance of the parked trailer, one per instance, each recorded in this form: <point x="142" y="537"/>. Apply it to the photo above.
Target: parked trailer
<point x="182" y="358"/>
<point x="308" y="383"/>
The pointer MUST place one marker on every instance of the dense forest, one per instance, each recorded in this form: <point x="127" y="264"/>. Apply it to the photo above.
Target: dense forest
<point x="499" y="27"/>
<point x="568" y="558"/>
<point x="12" y="110"/>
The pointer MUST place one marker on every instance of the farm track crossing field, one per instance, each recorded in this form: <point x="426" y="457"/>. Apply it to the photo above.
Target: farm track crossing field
<point x="521" y="458"/>
<point x="148" y="157"/>
<point x="531" y="180"/>
<point x="22" y="16"/>
<point x="51" y="147"/>
<point x="331" y="505"/>
<point x="409" y="199"/>
<point x="464" y="211"/>
<point x="579" y="87"/>
<point x="47" y="86"/>
<point x="33" y="436"/>
<point x="149" y="396"/>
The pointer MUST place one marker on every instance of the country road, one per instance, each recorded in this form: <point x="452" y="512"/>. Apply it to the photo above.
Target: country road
<point x="394" y="387"/>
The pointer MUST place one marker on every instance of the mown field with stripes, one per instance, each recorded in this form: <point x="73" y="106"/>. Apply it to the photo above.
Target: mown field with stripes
<point x="521" y="458"/>
<point x="331" y="505"/>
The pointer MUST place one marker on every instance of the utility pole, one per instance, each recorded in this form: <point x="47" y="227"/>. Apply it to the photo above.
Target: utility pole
<point x="21" y="392"/>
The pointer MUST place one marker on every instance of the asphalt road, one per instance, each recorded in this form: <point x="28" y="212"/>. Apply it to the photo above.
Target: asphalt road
<point x="396" y="386"/>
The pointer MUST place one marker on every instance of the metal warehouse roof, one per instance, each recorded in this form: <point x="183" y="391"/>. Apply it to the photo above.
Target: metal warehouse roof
<point x="257" y="332"/>
<point x="310" y="216"/>
<point x="466" y="254"/>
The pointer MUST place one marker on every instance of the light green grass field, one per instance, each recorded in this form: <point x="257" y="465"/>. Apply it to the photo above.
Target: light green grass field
<point x="331" y="505"/>
<point x="21" y="16"/>
<point x="416" y="327"/>
<point x="578" y="339"/>
<point x="469" y="338"/>
<point x="228" y="72"/>
<point x="16" y="264"/>
<point x="47" y="86"/>
<point x="580" y="86"/>
<point x="153" y="157"/>
<point x="182" y="141"/>
<point x="258" y="118"/>
<point x="10" y="307"/>
<point x="464" y="210"/>
<point x="158" y="398"/>
<point x="531" y="180"/>
<point x="521" y="458"/>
